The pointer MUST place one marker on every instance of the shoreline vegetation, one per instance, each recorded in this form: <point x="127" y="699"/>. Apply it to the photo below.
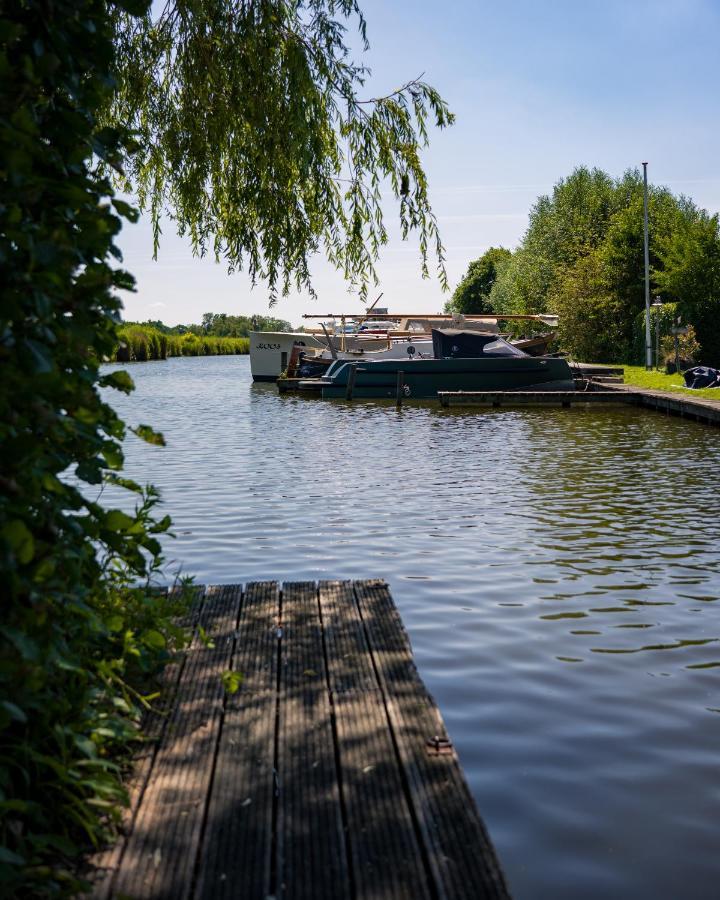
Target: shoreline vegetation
<point x="141" y="343"/>
<point x="217" y="334"/>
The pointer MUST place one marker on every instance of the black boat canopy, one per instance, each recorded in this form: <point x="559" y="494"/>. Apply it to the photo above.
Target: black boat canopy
<point x="453" y="342"/>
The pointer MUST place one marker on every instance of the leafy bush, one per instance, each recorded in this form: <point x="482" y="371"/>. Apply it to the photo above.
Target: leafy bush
<point x="591" y="326"/>
<point x="81" y="632"/>
<point x="688" y="349"/>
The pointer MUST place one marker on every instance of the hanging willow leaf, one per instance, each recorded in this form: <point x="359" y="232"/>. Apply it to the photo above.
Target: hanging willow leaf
<point x="254" y="138"/>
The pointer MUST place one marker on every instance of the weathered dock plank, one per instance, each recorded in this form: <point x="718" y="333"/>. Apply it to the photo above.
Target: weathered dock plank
<point x="386" y="853"/>
<point x="387" y="856"/>
<point x="350" y="666"/>
<point x="238" y="839"/>
<point x="159" y="858"/>
<point x="311" y="857"/>
<point x="459" y="849"/>
<point x="328" y="774"/>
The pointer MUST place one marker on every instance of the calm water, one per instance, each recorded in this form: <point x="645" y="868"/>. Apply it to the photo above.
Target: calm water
<point x="558" y="573"/>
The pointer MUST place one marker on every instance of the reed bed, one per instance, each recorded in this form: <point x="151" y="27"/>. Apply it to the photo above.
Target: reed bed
<point x="139" y="343"/>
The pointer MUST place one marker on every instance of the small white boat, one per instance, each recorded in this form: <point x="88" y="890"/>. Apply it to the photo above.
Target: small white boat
<point x="270" y="351"/>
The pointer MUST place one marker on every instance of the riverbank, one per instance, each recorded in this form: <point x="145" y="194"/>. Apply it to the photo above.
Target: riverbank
<point x="140" y="343"/>
<point x="638" y="376"/>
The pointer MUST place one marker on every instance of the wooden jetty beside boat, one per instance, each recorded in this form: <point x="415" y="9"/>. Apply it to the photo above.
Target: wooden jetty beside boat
<point x="701" y="409"/>
<point x="533" y="398"/>
<point x="328" y="774"/>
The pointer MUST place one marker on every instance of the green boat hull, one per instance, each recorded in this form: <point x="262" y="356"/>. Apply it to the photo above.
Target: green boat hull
<point x="423" y="378"/>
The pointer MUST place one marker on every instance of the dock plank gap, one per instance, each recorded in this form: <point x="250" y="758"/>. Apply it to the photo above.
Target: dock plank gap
<point x="328" y="774"/>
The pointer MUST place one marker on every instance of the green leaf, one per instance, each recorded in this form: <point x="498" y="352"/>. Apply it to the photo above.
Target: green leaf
<point x="150" y="436"/>
<point x="126" y="483"/>
<point x="39" y="356"/>
<point x="153" y="639"/>
<point x="205" y="639"/>
<point x="27" y="646"/>
<point x="21" y="541"/>
<point x="124" y="209"/>
<point x="121" y="381"/>
<point x="117" y="520"/>
<point x="231" y="681"/>
<point x="113" y="455"/>
<point x="162" y="525"/>
<point x="90" y="470"/>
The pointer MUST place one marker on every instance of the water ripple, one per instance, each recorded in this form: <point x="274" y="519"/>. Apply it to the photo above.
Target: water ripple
<point x="558" y="572"/>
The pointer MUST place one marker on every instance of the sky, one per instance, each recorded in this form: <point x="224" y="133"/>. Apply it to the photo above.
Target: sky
<point x="537" y="88"/>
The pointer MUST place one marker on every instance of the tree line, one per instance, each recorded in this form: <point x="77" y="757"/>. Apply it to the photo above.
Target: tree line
<point x="220" y="325"/>
<point x="582" y="257"/>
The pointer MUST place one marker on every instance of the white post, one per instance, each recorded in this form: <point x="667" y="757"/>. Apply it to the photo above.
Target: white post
<point x="648" y="337"/>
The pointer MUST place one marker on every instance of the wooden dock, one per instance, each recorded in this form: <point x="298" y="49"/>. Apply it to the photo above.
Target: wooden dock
<point x="535" y="398"/>
<point x="328" y="774"/>
<point x="701" y="409"/>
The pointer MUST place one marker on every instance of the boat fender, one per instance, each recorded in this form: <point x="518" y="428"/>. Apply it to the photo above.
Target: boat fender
<point x="406" y="390"/>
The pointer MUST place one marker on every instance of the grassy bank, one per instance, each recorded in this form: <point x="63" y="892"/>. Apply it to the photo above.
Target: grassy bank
<point x="139" y="343"/>
<point x="659" y="381"/>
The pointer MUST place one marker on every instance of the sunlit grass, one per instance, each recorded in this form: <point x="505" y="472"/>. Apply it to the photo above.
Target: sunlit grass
<point x="659" y="381"/>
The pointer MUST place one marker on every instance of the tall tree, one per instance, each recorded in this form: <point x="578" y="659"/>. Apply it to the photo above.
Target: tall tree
<point x="691" y="275"/>
<point x="582" y="257"/>
<point x="472" y="295"/>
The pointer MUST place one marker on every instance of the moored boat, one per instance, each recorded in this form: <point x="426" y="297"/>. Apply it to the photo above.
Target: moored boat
<point x="387" y="336"/>
<point x="462" y="361"/>
<point x="271" y="350"/>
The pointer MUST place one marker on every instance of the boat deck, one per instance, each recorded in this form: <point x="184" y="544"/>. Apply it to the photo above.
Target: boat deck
<point x="328" y="774"/>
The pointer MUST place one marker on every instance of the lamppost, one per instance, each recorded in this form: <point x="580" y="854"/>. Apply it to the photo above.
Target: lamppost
<point x="648" y="338"/>
<point x="657" y="306"/>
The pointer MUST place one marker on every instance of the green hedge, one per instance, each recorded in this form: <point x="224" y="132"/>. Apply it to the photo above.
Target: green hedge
<point x="82" y="632"/>
<point x="139" y="343"/>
